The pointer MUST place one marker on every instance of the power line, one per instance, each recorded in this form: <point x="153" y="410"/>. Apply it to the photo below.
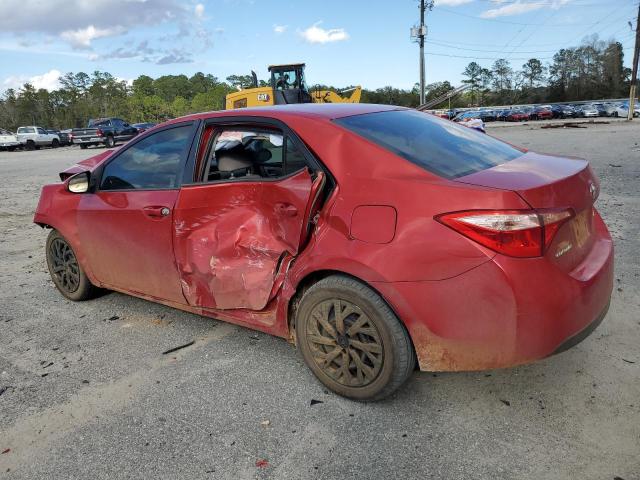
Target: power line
<point x="443" y="44"/>
<point x="479" y="58"/>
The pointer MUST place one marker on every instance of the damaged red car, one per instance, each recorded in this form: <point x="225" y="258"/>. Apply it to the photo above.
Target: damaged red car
<point x="376" y="239"/>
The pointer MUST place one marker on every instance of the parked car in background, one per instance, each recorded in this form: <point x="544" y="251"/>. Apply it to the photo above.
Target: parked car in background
<point x="141" y="127"/>
<point x="103" y="131"/>
<point x="33" y="137"/>
<point x="568" y="111"/>
<point x="610" y="108"/>
<point x="602" y="111"/>
<point x="588" y="111"/>
<point x="622" y="110"/>
<point x="8" y="140"/>
<point x="541" y="113"/>
<point x="487" y="115"/>
<point x="63" y="136"/>
<point x="501" y="115"/>
<point x="517" y="115"/>
<point x="288" y="230"/>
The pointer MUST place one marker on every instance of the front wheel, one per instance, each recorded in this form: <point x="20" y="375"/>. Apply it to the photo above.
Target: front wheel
<point x="65" y="270"/>
<point x="84" y="147"/>
<point x="351" y="340"/>
<point x="55" y="143"/>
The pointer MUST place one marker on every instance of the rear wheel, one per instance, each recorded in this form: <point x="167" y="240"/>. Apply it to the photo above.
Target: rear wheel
<point x="351" y="340"/>
<point x="65" y="270"/>
<point x="84" y="147"/>
<point x="109" y="142"/>
<point x="30" y="145"/>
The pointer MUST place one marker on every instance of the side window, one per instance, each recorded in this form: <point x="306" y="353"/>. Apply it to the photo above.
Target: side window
<point x="151" y="163"/>
<point x="294" y="158"/>
<point x="247" y="153"/>
<point x="41" y="131"/>
<point x="251" y="153"/>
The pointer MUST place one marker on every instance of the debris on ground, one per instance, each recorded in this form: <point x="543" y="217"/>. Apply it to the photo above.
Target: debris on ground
<point x="615" y="166"/>
<point x="315" y="402"/>
<point x="175" y="349"/>
<point x="6" y="450"/>
<point x="506" y="402"/>
<point x="265" y="423"/>
<point x="628" y="361"/>
<point x="564" y="125"/>
<point x="262" y="463"/>
<point x="114" y="317"/>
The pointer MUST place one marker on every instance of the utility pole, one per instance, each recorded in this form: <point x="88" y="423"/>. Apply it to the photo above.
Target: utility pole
<point x="419" y="33"/>
<point x="423" y="32"/>
<point x="634" y="69"/>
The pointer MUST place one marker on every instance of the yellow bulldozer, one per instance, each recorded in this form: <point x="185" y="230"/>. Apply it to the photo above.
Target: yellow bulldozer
<point x="287" y="85"/>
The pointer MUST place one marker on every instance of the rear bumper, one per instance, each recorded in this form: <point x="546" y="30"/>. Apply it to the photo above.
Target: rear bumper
<point x="505" y="312"/>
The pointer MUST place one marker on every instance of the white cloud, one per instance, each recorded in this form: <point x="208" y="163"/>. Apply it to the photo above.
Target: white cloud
<point x="82" y="37"/>
<point x="280" y="28"/>
<point x="49" y="81"/>
<point x="80" y="21"/>
<point x="451" y="3"/>
<point x="199" y="10"/>
<point x="316" y="34"/>
<point x="520" y="7"/>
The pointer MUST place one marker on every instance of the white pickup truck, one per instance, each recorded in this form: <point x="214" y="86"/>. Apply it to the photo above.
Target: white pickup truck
<point x="8" y="141"/>
<point x="36" y="137"/>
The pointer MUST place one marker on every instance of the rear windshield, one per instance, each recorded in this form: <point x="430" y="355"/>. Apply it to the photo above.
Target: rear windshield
<point x="100" y="122"/>
<point x="437" y="145"/>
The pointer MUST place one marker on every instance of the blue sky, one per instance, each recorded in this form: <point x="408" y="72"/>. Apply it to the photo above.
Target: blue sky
<point x="342" y="42"/>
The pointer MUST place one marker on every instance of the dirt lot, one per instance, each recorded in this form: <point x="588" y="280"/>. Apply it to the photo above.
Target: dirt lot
<point x="87" y="393"/>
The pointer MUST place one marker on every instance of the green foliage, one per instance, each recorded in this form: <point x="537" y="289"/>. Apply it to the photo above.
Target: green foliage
<point x="594" y="70"/>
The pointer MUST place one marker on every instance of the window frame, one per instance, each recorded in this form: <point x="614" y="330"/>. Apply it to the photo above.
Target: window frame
<point x="193" y="177"/>
<point x="183" y="162"/>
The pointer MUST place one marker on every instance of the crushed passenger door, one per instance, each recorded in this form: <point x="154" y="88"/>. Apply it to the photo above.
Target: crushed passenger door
<point x="231" y="238"/>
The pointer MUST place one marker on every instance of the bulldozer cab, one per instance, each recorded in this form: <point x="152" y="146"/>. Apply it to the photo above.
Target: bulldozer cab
<point x="288" y="84"/>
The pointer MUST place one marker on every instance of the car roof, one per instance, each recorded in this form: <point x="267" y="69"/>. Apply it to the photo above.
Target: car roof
<point x="327" y="111"/>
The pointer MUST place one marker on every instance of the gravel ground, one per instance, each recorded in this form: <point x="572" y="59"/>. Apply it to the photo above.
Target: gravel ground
<point x="87" y="393"/>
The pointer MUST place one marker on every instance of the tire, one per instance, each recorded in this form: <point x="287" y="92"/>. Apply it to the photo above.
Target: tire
<point x="65" y="270"/>
<point x="109" y="142"/>
<point x="379" y="352"/>
<point x="55" y="143"/>
<point x="30" y="145"/>
<point x="84" y="147"/>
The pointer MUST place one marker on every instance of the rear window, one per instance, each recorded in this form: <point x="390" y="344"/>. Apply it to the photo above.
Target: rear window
<point x="100" y="122"/>
<point x="437" y="145"/>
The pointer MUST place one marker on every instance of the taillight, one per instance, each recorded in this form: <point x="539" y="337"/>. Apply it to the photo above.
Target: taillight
<point x="516" y="233"/>
<point x="99" y="132"/>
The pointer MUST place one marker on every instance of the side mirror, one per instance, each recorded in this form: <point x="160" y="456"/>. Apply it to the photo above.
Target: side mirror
<point x="79" y="183"/>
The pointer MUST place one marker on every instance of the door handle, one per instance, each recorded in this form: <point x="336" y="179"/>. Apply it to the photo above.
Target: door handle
<point x="157" y="212"/>
<point x="286" y="209"/>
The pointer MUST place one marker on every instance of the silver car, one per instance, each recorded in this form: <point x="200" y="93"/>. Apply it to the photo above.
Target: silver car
<point x="588" y="111"/>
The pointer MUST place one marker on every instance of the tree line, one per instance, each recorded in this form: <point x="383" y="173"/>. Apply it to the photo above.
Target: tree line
<point x="592" y="70"/>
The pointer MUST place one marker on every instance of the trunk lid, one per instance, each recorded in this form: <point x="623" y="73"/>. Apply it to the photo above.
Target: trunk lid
<point x="549" y="182"/>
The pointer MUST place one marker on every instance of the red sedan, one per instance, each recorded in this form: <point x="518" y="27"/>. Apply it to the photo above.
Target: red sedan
<point x="518" y="116"/>
<point x="374" y="238"/>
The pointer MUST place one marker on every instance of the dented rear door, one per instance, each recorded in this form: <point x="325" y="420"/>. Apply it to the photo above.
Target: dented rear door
<point x="232" y="238"/>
